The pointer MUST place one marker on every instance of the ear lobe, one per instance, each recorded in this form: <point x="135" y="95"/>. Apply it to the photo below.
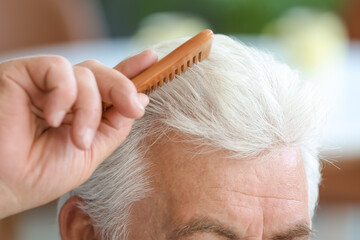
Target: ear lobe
<point x="74" y="223"/>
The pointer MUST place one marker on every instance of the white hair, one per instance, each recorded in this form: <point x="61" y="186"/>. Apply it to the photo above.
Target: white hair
<point x="239" y="99"/>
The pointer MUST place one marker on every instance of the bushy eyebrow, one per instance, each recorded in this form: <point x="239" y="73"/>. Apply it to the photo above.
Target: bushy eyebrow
<point x="299" y="230"/>
<point x="206" y="225"/>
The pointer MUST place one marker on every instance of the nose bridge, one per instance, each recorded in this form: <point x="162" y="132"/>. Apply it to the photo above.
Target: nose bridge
<point x="255" y="230"/>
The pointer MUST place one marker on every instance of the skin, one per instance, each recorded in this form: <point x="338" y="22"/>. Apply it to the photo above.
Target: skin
<point x="256" y="198"/>
<point x="53" y="132"/>
<point x="208" y="196"/>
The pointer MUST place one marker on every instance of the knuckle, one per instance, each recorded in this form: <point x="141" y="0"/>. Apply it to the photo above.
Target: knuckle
<point x="91" y="62"/>
<point x="59" y="61"/>
<point x="84" y="72"/>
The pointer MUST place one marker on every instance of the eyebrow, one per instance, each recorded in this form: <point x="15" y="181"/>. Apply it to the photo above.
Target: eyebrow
<point x="299" y="230"/>
<point x="206" y="225"/>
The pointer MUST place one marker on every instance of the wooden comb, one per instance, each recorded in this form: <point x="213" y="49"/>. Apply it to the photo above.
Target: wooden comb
<point x="191" y="52"/>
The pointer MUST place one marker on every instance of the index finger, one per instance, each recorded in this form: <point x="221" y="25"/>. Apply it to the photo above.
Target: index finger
<point x="116" y="88"/>
<point x="134" y="65"/>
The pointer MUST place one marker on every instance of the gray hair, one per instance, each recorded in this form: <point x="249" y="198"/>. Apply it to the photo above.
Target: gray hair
<point x="239" y="99"/>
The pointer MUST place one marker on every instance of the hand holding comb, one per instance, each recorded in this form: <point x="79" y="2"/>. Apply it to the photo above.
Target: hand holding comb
<point x="191" y="52"/>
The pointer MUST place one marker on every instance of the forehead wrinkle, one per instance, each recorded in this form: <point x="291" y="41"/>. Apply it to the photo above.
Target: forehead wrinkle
<point x="255" y="196"/>
<point x="182" y="164"/>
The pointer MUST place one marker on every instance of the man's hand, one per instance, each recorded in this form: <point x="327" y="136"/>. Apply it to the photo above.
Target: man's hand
<point x="53" y="133"/>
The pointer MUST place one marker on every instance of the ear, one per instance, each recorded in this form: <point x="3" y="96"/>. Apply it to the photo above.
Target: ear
<point x="74" y="223"/>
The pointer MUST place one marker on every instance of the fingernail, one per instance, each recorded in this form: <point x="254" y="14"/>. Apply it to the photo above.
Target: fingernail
<point x="143" y="99"/>
<point x="137" y="103"/>
<point x="87" y="137"/>
<point x="57" y="117"/>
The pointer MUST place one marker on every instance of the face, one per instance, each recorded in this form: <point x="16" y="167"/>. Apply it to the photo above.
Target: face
<point x="209" y="196"/>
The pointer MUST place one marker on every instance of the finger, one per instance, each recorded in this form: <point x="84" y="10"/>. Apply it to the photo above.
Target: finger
<point x="116" y="121"/>
<point x="115" y="118"/>
<point x="134" y="65"/>
<point x="117" y="89"/>
<point x="113" y="130"/>
<point x="52" y="76"/>
<point x="87" y="108"/>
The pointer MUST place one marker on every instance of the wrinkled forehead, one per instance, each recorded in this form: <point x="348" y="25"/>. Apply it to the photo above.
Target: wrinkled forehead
<point x="280" y="168"/>
<point x="272" y="186"/>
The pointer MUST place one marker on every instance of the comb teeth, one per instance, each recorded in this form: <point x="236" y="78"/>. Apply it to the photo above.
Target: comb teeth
<point x="181" y="69"/>
<point x="189" y="63"/>
<point x="195" y="60"/>
<point x="178" y="61"/>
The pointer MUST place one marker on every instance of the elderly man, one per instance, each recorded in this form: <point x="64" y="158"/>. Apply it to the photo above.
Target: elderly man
<point x="227" y="150"/>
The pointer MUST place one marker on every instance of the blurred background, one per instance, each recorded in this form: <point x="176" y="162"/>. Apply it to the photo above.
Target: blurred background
<point x="318" y="37"/>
